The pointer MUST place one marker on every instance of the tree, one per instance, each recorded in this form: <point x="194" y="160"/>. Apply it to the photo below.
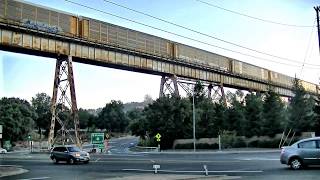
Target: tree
<point x="253" y="115"/>
<point x="198" y="93"/>
<point x="137" y="123"/>
<point x="220" y="117"/>
<point x="85" y="118"/>
<point x="301" y="115"/>
<point x="171" y="117"/>
<point x="317" y="116"/>
<point x="112" y="117"/>
<point x="273" y="114"/>
<point x="236" y="120"/>
<point x="41" y="104"/>
<point x="206" y="122"/>
<point x="17" y="117"/>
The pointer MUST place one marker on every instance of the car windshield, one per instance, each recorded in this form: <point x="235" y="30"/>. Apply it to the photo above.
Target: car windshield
<point x="73" y="149"/>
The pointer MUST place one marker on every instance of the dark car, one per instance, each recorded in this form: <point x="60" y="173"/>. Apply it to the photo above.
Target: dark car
<point x="70" y="154"/>
<point x="302" y="153"/>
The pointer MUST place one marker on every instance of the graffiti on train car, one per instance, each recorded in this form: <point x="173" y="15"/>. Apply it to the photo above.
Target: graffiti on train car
<point x="40" y="26"/>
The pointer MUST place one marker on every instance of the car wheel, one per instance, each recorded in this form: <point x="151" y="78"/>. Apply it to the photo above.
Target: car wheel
<point x="296" y="164"/>
<point x="86" y="162"/>
<point x="55" y="160"/>
<point x="71" y="161"/>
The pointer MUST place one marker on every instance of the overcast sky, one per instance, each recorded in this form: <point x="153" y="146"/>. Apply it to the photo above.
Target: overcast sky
<point x="23" y="76"/>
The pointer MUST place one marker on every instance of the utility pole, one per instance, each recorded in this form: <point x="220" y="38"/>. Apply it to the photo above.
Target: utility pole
<point x="317" y="8"/>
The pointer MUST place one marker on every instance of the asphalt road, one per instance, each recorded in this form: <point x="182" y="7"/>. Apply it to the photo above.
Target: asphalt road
<point x="250" y="165"/>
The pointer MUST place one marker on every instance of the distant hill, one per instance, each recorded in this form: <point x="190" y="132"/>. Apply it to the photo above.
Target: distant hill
<point x="127" y="106"/>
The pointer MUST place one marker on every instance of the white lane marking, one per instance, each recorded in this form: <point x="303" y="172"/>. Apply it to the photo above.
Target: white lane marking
<point x="37" y="178"/>
<point x="258" y="159"/>
<point x="152" y="161"/>
<point x="10" y="166"/>
<point x="97" y="160"/>
<point x="149" y="170"/>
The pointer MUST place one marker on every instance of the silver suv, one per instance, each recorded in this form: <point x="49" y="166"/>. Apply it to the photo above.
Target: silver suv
<point x="302" y="153"/>
<point x="70" y="154"/>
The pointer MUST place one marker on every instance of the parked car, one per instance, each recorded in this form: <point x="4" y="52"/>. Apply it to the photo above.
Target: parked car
<point x="302" y="153"/>
<point x="70" y="154"/>
<point x="90" y="148"/>
<point x="3" y="151"/>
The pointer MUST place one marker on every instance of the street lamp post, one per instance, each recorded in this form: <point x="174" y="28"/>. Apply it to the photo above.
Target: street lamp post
<point x="194" y="123"/>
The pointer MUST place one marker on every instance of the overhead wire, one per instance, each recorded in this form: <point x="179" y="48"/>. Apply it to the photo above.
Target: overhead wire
<point x="253" y="17"/>
<point x="307" y="50"/>
<point x="203" y="34"/>
<point x="185" y="37"/>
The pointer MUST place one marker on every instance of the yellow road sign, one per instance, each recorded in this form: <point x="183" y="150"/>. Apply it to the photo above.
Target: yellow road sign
<point x="158" y="136"/>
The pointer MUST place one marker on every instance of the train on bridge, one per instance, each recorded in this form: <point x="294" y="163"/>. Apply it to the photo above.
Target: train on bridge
<point x="54" y="21"/>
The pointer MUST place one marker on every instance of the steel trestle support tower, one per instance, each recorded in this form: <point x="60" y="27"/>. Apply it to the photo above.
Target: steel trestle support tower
<point x="64" y="81"/>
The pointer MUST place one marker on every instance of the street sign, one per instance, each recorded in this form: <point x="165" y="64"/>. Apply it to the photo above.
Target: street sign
<point x="97" y="138"/>
<point x="158" y="136"/>
<point x="101" y="146"/>
<point x="107" y="136"/>
<point x="0" y="129"/>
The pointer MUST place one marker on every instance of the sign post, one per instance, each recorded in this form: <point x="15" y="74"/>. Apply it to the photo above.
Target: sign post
<point x="98" y="139"/>
<point x="158" y="136"/>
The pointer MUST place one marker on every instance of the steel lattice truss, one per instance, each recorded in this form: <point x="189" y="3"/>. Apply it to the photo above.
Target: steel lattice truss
<point x="64" y="105"/>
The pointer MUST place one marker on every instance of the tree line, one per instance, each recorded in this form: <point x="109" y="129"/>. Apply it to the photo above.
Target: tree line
<point x="251" y="114"/>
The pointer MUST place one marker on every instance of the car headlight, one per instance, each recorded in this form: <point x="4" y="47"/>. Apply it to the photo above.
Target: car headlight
<point x="77" y="154"/>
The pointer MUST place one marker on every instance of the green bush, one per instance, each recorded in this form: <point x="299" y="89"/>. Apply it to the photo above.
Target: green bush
<point x="207" y="146"/>
<point x="184" y="146"/>
<point x="253" y="143"/>
<point x="239" y="142"/>
<point x="273" y="143"/>
<point x="198" y="146"/>
<point x="147" y="143"/>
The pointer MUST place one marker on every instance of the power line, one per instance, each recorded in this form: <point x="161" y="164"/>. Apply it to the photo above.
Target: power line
<point x="182" y="36"/>
<point x="309" y="42"/>
<point x="252" y="17"/>
<point x="201" y="33"/>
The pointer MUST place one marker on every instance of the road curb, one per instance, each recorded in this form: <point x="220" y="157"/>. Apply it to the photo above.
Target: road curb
<point x="9" y="170"/>
<point x="216" y="152"/>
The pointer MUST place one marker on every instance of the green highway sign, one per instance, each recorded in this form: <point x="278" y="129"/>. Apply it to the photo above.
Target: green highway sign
<point x="97" y="138"/>
<point x="101" y="146"/>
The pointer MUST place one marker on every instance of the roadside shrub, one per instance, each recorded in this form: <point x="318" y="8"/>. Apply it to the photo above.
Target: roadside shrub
<point x="198" y="146"/>
<point x="184" y="146"/>
<point x="207" y="146"/>
<point x="239" y="142"/>
<point x="253" y="143"/>
<point x="147" y="143"/>
<point x="227" y="139"/>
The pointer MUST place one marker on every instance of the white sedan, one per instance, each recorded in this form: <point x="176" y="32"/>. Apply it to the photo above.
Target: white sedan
<point x="3" y="151"/>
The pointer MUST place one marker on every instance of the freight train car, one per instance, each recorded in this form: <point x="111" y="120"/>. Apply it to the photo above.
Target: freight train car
<point x="309" y="86"/>
<point x="107" y="33"/>
<point x="54" y="21"/>
<point x="194" y="55"/>
<point x="39" y="18"/>
<point x="250" y="70"/>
